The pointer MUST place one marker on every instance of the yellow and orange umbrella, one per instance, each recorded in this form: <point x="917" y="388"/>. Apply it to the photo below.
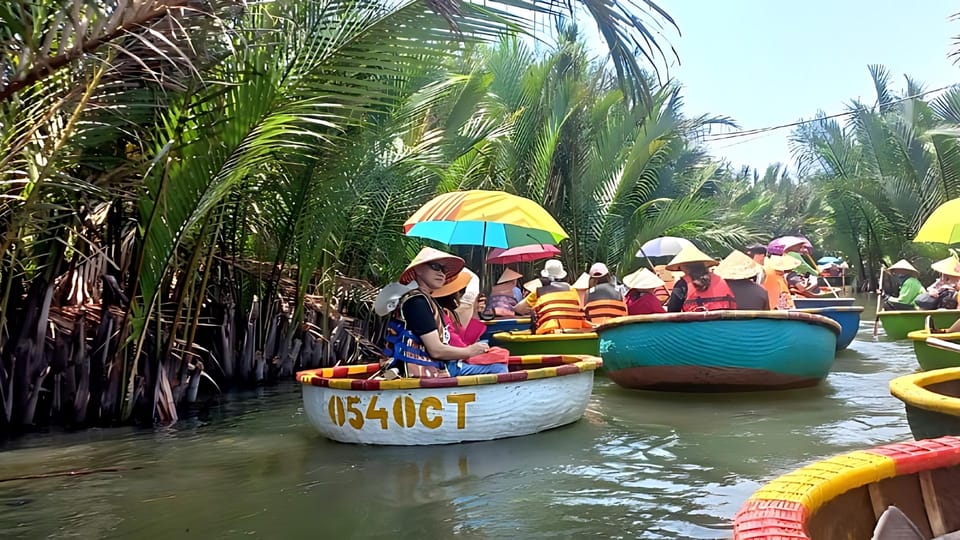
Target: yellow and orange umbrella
<point x="484" y="218"/>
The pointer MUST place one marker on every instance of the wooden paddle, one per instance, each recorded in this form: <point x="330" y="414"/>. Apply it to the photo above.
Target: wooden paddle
<point x="876" y="320"/>
<point x="943" y="344"/>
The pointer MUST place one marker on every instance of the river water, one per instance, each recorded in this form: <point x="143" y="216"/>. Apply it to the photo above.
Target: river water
<point x="638" y="465"/>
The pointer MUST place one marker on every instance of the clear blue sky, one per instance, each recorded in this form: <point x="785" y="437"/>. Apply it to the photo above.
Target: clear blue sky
<point x="768" y="62"/>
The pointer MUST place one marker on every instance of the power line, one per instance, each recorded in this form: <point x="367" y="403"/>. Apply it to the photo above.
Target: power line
<point x="748" y="132"/>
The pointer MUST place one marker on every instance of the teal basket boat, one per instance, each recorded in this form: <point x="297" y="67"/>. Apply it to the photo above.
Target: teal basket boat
<point x="719" y="350"/>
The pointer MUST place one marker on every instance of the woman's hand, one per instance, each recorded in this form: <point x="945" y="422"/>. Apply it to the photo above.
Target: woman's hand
<point x="477" y="349"/>
<point x="481" y="303"/>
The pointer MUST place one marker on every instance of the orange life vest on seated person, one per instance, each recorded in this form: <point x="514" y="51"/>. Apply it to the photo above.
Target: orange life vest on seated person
<point x="558" y="308"/>
<point x="604" y="302"/>
<point x="717" y="296"/>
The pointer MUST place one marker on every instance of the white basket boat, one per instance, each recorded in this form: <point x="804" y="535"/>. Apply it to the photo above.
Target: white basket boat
<point x="539" y="393"/>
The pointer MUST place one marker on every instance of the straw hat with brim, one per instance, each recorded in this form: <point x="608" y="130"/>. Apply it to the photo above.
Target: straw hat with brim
<point x="389" y="297"/>
<point x="460" y="282"/>
<point x="689" y="255"/>
<point x="643" y="279"/>
<point x="904" y="267"/>
<point x="452" y="264"/>
<point x="780" y="263"/>
<point x="737" y="265"/>
<point x="582" y="282"/>
<point x="532" y="285"/>
<point x="553" y="269"/>
<point x="949" y="266"/>
<point x="509" y="275"/>
<point x="803" y="267"/>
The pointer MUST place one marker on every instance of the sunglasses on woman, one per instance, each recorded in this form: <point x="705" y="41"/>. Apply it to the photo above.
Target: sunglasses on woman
<point x="437" y="267"/>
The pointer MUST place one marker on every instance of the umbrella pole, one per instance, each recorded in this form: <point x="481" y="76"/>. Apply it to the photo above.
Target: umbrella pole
<point x="876" y="320"/>
<point x="649" y="262"/>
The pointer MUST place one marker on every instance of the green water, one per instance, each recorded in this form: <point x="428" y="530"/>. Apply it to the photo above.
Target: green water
<point x="639" y="464"/>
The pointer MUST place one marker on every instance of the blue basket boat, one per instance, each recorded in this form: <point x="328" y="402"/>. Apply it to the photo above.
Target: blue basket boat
<point x="719" y="350"/>
<point x="802" y="302"/>
<point x="848" y="317"/>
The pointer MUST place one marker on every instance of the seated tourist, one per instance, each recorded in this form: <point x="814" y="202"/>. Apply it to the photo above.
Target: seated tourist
<point x="758" y="252"/>
<point x="555" y="305"/>
<point x="775" y="283"/>
<point x="603" y="300"/>
<point x="943" y="292"/>
<point x="700" y="289"/>
<point x="740" y="273"/>
<point x="418" y="341"/>
<point x="908" y="286"/>
<point x="504" y="295"/>
<point x="463" y="330"/>
<point x="641" y="298"/>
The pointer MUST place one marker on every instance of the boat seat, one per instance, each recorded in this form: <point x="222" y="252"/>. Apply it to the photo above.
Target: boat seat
<point x="895" y="525"/>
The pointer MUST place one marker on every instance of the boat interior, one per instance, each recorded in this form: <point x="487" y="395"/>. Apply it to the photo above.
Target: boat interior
<point x="929" y="501"/>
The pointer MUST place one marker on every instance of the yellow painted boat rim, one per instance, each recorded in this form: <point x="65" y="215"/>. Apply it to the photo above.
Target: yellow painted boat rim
<point x="922" y="335"/>
<point x="911" y="389"/>
<point x="557" y="366"/>
<point x="522" y="336"/>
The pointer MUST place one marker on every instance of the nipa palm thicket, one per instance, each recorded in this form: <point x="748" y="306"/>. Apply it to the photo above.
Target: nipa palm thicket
<point x="182" y="181"/>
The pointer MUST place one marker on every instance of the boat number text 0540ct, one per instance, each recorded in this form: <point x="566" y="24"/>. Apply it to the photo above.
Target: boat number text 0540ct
<point x="407" y="413"/>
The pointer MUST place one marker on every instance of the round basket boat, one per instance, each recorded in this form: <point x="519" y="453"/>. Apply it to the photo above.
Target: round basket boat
<point x="930" y="357"/>
<point x="719" y="350"/>
<point x="504" y="325"/>
<point x="539" y="393"/>
<point x="523" y="342"/>
<point x="843" y="497"/>
<point x="932" y="400"/>
<point x="897" y="324"/>
<point x="848" y="317"/>
<point x="802" y="302"/>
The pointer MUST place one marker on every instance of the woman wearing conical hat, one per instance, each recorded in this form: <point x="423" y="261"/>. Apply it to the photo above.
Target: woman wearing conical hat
<point x="417" y="338"/>
<point x="775" y="281"/>
<point x="740" y="272"/>
<point x="700" y="289"/>
<point x="504" y="295"/>
<point x="909" y="287"/>
<point x="944" y="290"/>
<point x="641" y="295"/>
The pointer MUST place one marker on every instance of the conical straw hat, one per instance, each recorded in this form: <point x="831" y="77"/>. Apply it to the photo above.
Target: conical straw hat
<point x="737" y="265"/>
<point x="452" y="264"/>
<point x="690" y="254"/>
<point x="532" y="285"/>
<point x="904" y="266"/>
<point x="509" y="275"/>
<point x="643" y="279"/>
<point x="582" y="282"/>
<point x="949" y="266"/>
<point x="781" y="263"/>
<point x="458" y="283"/>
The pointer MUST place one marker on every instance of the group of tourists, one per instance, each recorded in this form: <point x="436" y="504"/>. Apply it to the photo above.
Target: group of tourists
<point x="911" y="294"/>
<point x="435" y="308"/>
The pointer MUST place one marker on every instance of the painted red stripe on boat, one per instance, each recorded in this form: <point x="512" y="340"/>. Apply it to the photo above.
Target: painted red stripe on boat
<point x="514" y="376"/>
<point x="761" y="518"/>
<point x="915" y="456"/>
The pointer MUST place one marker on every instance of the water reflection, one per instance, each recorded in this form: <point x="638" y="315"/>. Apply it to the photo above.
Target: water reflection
<point x="640" y="464"/>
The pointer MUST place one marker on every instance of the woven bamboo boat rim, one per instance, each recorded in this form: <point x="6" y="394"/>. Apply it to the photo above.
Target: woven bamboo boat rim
<point x="722" y="315"/>
<point x="911" y="389"/>
<point x="556" y="366"/>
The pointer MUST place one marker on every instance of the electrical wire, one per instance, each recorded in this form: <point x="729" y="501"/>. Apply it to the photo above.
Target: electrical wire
<point x="747" y="132"/>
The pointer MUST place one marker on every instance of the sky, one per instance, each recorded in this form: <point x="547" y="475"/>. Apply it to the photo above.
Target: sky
<point x="771" y="62"/>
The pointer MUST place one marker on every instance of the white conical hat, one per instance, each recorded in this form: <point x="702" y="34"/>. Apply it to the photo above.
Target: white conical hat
<point x="643" y="279"/>
<point x="904" y="266"/>
<point x="737" y="265"/>
<point x="690" y="254"/>
<point x="582" y="282"/>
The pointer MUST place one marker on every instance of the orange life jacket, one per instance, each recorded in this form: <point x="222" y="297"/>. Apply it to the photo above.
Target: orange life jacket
<point x="717" y="296"/>
<point x="559" y="310"/>
<point x="777" y="291"/>
<point x="604" y="302"/>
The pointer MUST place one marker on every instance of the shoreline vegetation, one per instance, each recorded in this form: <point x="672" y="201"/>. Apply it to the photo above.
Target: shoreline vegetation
<point x="206" y="194"/>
